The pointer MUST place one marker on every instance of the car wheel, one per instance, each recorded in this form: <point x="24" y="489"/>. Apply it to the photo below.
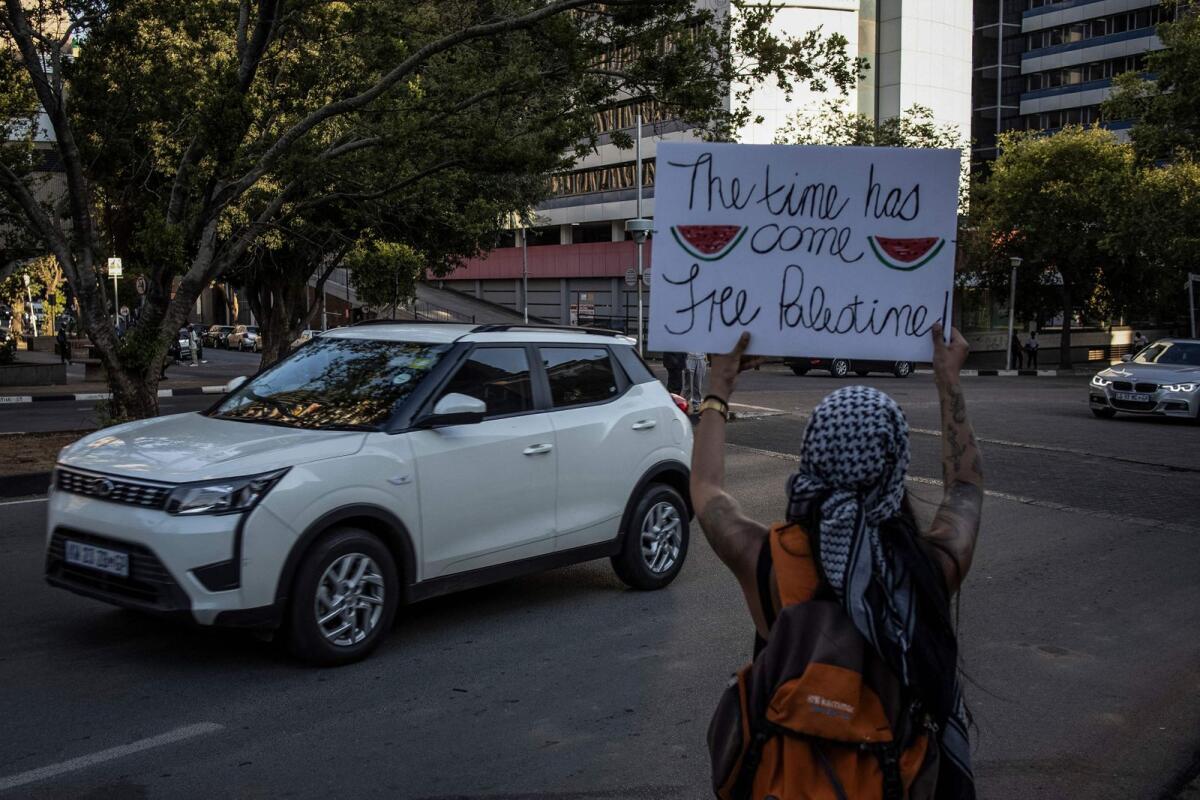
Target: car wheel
<point x="799" y="369"/>
<point x="343" y="599"/>
<point x="656" y="543"/>
<point x="902" y="369"/>
<point x="840" y="368"/>
<point x="1104" y="413"/>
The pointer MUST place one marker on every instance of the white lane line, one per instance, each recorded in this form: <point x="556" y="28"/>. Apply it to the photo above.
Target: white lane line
<point x="758" y="408"/>
<point x="1141" y="522"/>
<point x="83" y="762"/>
<point x="19" y="502"/>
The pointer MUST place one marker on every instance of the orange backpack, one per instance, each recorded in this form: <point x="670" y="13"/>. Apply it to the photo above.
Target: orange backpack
<point x="817" y="715"/>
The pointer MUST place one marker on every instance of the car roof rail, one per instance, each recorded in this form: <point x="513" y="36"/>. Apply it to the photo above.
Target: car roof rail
<point x="380" y="321"/>
<point x="521" y="326"/>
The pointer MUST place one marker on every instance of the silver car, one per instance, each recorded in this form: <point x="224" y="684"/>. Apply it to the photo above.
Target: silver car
<point x="1163" y="379"/>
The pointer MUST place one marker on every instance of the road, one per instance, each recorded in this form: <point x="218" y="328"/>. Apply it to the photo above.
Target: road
<point x="1077" y="627"/>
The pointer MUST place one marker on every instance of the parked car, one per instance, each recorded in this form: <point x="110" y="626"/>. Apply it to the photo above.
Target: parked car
<point x="215" y="335"/>
<point x="244" y="337"/>
<point x="841" y="367"/>
<point x="380" y="464"/>
<point x="1162" y="379"/>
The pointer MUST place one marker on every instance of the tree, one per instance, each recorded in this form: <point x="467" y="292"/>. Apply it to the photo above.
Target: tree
<point x="1052" y="200"/>
<point x="188" y="129"/>
<point x="1165" y="108"/>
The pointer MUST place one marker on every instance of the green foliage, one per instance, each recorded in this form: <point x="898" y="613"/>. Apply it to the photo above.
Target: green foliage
<point x="384" y="272"/>
<point x="1165" y="109"/>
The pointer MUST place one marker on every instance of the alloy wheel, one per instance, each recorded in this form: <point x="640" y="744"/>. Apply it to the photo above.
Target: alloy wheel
<point x="349" y="600"/>
<point x="662" y="537"/>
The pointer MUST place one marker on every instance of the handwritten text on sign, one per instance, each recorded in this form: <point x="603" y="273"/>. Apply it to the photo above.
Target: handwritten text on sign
<point x="817" y="251"/>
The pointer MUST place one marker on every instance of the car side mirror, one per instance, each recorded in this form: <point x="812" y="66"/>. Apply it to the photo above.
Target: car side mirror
<point x="234" y="383"/>
<point x="455" y="409"/>
<point x="1127" y="358"/>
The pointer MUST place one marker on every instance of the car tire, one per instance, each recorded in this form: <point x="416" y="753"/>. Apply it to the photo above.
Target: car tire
<point x="331" y="563"/>
<point x="799" y="369"/>
<point x="1104" y="413"/>
<point x="902" y="369"/>
<point x="840" y="368"/>
<point x="659" y="520"/>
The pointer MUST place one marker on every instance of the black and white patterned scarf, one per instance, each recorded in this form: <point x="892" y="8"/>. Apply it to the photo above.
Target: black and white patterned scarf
<point x="852" y="468"/>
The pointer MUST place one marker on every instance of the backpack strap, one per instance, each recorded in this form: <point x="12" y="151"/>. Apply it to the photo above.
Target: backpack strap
<point x="796" y="573"/>
<point x="763" y="580"/>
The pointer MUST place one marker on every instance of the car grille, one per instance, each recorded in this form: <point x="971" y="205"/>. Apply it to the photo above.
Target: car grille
<point x="148" y="585"/>
<point x="1146" y="387"/>
<point x="112" y="489"/>
<point x="1123" y="386"/>
<point x="1128" y="405"/>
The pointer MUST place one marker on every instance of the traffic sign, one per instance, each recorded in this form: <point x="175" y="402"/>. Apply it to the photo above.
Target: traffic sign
<point x="631" y="277"/>
<point x="140" y="284"/>
<point x="114" y="268"/>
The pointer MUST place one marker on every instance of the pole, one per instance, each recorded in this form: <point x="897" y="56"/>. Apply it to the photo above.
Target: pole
<point x="1192" y="278"/>
<point x="116" y="304"/>
<point x="525" y="271"/>
<point x="1012" y="303"/>
<point x="641" y="239"/>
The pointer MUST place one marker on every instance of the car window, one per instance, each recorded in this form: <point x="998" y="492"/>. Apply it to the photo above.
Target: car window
<point x="1182" y="353"/>
<point x="579" y="375"/>
<point x="334" y="383"/>
<point x="499" y="376"/>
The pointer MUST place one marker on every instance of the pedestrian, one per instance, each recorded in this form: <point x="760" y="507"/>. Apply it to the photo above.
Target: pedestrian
<point x="1140" y="342"/>
<point x="697" y="366"/>
<point x="1015" y="346"/>
<point x="193" y="345"/>
<point x="674" y="364"/>
<point x="64" y="346"/>
<point x="1031" y="351"/>
<point x="850" y="598"/>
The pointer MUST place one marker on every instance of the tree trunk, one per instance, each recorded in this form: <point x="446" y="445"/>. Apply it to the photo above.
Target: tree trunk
<point x="1064" y="345"/>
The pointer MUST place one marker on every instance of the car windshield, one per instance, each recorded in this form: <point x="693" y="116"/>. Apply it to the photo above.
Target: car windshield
<point x="1181" y="353"/>
<point x="334" y="384"/>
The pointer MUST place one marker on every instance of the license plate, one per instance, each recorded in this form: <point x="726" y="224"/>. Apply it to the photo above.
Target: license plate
<point x="1133" y="397"/>
<point x="113" y="562"/>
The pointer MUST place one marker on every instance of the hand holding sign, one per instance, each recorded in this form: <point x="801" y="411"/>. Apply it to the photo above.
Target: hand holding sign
<point x="726" y="367"/>
<point x="843" y="252"/>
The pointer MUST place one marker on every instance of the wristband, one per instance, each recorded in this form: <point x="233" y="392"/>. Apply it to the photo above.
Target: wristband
<point x="716" y="404"/>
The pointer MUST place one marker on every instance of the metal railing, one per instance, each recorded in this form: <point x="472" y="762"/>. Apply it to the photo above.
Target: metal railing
<point x="423" y="309"/>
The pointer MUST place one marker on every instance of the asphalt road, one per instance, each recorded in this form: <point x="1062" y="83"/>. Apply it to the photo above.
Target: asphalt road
<point x="1077" y="624"/>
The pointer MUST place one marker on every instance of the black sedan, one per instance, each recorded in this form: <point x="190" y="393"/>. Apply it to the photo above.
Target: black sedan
<point x="841" y="367"/>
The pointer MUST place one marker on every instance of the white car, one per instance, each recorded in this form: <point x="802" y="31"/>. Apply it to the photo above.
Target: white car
<point x="244" y="337"/>
<point x="305" y="335"/>
<point x="380" y="464"/>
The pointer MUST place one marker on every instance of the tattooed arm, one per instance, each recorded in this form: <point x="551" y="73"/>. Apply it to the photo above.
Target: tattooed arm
<point x="956" y="525"/>
<point x="734" y="537"/>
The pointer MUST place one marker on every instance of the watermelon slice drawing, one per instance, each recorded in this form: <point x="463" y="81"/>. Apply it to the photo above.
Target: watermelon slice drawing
<point x="708" y="242"/>
<point x="906" y="254"/>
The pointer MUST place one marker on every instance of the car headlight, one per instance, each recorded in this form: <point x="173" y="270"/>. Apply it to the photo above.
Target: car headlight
<point x="1179" y="387"/>
<point x="1098" y="381"/>
<point x="228" y="496"/>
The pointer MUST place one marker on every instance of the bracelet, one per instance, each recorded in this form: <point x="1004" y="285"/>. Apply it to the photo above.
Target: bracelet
<point x="716" y="404"/>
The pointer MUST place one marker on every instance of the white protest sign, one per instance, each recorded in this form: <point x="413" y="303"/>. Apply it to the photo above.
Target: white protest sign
<point x="835" y="252"/>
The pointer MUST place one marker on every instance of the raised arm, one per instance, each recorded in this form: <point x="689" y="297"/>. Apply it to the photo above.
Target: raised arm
<point x="734" y="537"/>
<point x="955" y="527"/>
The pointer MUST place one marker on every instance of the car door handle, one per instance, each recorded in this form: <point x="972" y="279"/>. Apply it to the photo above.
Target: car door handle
<point x="538" y="449"/>
<point x="644" y="425"/>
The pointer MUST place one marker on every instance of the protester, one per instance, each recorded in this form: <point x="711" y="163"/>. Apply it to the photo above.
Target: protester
<point x="674" y="364"/>
<point x="697" y="366"/>
<point x="194" y="345"/>
<point x="64" y="346"/>
<point x="1140" y="342"/>
<point x="1015" y="346"/>
<point x="857" y="571"/>
<point x="1031" y="351"/>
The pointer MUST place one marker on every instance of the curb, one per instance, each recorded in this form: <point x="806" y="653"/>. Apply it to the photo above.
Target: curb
<point x="1016" y="373"/>
<point x="25" y="484"/>
<point x="13" y="399"/>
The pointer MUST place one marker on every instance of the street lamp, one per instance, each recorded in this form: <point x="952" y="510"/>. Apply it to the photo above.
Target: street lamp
<point x="1012" y="306"/>
<point x="1192" y="278"/>
<point x="639" y="229"/>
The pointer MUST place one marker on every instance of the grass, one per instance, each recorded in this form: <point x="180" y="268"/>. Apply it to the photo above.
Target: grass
<point x="33" y="452"/>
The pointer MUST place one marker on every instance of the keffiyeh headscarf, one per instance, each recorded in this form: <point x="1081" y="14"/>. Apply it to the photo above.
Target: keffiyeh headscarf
<point x="852" y="468"/>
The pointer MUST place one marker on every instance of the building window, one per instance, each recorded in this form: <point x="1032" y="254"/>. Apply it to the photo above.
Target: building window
<point x="1094" y="71"/>
<point x="1102" y="26"/>
<point x="601" y="179"/>
<point x="623" y="116"/>
<point x="590" y="232"/>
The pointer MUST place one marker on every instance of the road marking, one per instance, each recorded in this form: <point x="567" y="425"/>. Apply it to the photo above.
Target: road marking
<point x="83" y="762"/>
<point x="16" y="398"/>
<point x="758" y="408"/>
<point x="1016" y="498"/>
<point x="19" y="502"/>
